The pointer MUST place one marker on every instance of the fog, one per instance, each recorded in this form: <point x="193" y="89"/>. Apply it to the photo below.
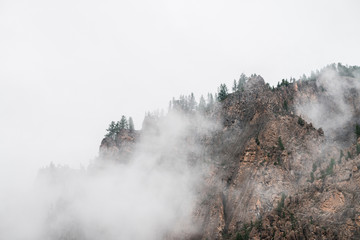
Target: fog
<point x="149" y="197"/>
<point x="332" y="111"/>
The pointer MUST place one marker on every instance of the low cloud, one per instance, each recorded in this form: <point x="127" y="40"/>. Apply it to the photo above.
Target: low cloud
<point x="150" y="197"/>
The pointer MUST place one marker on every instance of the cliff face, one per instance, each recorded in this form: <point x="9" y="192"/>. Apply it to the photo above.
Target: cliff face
<point x="267" y="172"/>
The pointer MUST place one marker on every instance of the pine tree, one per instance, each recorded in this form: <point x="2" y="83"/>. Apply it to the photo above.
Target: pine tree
<point x="192" y="102"/>
<point x="285" y="105"/>
<point x="301" y="121"/>
<point x="131" y="124"/>
<point x="223" y="92"/>
<point x="112" y="129"/>
<point x="242" y="81"/>
<point x="202" y="104"/>
<point x="235" y="87"/>
<point x="281" y="145"/>
<point x="210" y="101"/>
<point x="123" y="124"/>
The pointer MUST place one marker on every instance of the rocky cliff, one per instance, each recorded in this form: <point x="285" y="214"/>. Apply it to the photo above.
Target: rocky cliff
<point x="283" y="163"/>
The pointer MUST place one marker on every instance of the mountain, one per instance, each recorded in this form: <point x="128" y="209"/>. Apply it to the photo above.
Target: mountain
<point x="264" y="163"/>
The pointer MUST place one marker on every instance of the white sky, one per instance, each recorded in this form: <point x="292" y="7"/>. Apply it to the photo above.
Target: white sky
<point x="67" y="68"/>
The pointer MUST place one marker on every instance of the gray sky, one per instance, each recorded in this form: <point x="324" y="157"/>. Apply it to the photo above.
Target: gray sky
<point x="67" y="68"/>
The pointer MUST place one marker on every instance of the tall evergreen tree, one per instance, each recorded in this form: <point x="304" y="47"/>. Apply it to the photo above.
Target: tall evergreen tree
<point x="242" y="81"/>
<point x="202" y="104"/>
<point x="223" y="92"/>
<point x="192" y="102"/>
<point x="131" y="124"/>
<point x="123" y="124"/>
<point x="210" y="101"/>
<point x="235" y="87"/>
<point x="112" y="130"/>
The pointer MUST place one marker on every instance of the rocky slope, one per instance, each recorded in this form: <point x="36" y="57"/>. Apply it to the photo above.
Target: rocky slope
<point x="269" y="173"/>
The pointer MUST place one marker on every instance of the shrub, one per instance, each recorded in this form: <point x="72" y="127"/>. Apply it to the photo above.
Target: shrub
<point x="258" y="224"/>
<point x="357" y="130"/>
<point x="245" y="233"/>
<point x="257" y="141"/>
<point x="341" y="155"/>
<point x="301" y="121"/>
<point x="314" y="167"/>
<point x="285" y="105"/>
<point x="312" y="178"/>
<point x="348" y="155"/>
<point x="281" y="145"/>
<point x="330" y="168"/>
<point x="281" y="204"/>
<point x="293" y="221"/>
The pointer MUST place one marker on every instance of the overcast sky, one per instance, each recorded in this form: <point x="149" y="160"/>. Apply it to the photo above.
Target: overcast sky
<point x="69" y="67"/>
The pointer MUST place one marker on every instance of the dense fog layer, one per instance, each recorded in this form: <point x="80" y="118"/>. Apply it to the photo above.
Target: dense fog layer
<point x="149" y="197"/>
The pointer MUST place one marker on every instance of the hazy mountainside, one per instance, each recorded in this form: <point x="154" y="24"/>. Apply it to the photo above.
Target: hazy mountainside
<point x="259" y="163"/>
<point x="265" y="163"/>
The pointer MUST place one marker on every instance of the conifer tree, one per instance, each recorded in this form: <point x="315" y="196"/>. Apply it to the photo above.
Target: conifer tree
<point x="223" y="92"/>
<point x="281" y="145"/>
<point x="242" y="81"/>
<point x="123" y="124"/>
<point x="131" y="124"/>
<point x="210" y="101"/>
<point x="192" y="102"/>
<point x="235" y="87"/>
<point x="202" y="104"/>
<point x="112" y="129"/>
<point x="285" y="105"/>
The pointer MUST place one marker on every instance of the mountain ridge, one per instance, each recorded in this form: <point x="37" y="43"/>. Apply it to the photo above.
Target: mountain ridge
<point x="270" y="173"/>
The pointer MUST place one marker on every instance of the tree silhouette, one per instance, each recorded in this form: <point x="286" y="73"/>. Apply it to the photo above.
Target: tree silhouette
<point x="112" y="130"/>
<point x="235" y="87"/>
<point x="223" y="92"/>
<point x="202" y="104"/>
<point x="242" y="80"/>
<point x="131" y="124"/>
<point x="123" y="124"/>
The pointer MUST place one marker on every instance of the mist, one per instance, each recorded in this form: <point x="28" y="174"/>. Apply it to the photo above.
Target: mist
<point x="332" y="110"/>
<point x="150" y="196"/>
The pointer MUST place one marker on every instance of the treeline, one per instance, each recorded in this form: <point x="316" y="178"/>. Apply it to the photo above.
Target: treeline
<point x="342" y="70"/>
<point x="238" y="86"/>
<point x="185" y="103"/>
<point x="188" y="103"/>
<point x="115" y="127"/>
